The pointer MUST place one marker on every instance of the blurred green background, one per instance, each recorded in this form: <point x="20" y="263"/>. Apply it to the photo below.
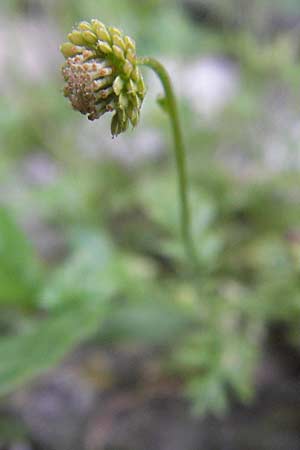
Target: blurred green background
<point x="92" y="269"/>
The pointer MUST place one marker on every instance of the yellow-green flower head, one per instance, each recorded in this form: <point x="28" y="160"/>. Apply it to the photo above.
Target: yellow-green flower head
<point x="102" y="75"/>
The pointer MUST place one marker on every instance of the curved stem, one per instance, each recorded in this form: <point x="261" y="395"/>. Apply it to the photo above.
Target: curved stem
<point x="180" y="155"/>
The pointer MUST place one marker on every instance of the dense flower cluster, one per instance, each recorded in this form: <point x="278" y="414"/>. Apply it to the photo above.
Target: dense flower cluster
<point x="102" y="75"/>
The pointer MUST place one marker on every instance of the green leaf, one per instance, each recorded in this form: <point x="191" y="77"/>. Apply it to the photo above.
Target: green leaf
<point x="147" y="320"/>
<point x="27" y="355"/>
<point x="20" y="273"/>
<point x="208" y="394"/>
<point x="93" y="271"/>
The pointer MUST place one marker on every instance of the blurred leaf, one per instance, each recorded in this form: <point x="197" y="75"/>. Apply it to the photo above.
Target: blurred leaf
<point x="29" y="354"/>
<point x="220" y="354"/>
<point x="92" y="272"/>
<point x="20" y="274"/>
<point x="159" y="197"/>
<point x="151" y="319"/>
<point x="208" y="394"/>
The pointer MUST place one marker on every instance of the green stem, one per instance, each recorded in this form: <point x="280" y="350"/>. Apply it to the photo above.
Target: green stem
<point x="180" y="155"/>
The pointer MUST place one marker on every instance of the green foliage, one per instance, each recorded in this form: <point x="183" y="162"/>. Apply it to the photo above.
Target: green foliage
<point x="42" y="346"/>
<point x="20" y="271"/>
<point x="221" y="351"/>
<point x="122" y="275"/>
<point x="92" y="271"/>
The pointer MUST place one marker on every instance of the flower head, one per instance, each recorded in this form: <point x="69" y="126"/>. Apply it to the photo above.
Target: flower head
<point x="102" y="74"/>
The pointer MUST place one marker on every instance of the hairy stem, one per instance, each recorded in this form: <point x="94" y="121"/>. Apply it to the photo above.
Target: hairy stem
<point x="180" y="155"/>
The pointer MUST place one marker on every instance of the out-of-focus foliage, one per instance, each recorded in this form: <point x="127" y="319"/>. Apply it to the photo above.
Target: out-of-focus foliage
<point x="122" y="275"/>
<point x="44" y="344"/>
<point x="20" y="272"/>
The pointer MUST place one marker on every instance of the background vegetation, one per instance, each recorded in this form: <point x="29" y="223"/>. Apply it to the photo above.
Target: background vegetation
<point x="89" y="244"/>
